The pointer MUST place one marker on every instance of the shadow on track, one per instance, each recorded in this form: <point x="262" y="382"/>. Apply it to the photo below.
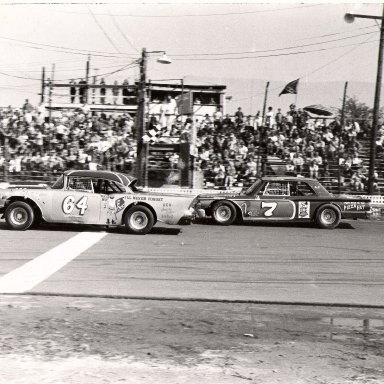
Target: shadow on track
<point x="157" y="230"/>
<point x="206" y="221"/>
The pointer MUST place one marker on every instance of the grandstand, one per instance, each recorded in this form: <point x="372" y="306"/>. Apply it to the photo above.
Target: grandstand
<point x="226" y="151"/>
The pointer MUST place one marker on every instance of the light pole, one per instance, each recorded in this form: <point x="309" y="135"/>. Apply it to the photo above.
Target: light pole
<point x="141" y="157"/>
<point x="349" y="18"/>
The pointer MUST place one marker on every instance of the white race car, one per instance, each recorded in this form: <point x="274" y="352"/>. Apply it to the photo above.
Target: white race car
<point x="94" y="197"/>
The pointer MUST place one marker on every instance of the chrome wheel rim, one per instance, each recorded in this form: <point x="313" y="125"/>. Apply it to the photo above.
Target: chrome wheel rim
<point x="328" y="216"/>
<point x="138" y="220"/>
<point x="223" y="213"/>
<point x="19" y="216"/>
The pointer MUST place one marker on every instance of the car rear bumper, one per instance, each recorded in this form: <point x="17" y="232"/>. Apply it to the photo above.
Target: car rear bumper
<point x="357" y="215"/>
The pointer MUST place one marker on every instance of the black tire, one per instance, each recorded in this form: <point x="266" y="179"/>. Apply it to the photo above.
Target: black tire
<point x="328" y="216"/>
<point x="223" y="212"/>
<point x="139" y="220"/>
<point x="19" y="216"/>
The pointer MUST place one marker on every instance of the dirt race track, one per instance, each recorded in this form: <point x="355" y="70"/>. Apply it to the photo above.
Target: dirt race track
<point x="79" y="340"/>
<point x="83" y="325"/>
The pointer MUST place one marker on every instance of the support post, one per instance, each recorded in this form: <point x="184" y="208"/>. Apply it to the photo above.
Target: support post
<point x="50" y="101"/>
<point x="376" y="111"/>
<point x="265" y="101"/>
<point x="342" y="124"/>
<point x="140" y="119"/>
<point x="6" y="157"/>
<point x="87" y="80"/>
<point x="42" y="85"/>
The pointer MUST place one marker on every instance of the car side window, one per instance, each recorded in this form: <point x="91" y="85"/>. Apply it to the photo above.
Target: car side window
<point x="80" y="184"/>
<point x="275" y="188"/>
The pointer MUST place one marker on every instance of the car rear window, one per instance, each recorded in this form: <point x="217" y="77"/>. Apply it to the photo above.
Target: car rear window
<point x="303" y="189"/>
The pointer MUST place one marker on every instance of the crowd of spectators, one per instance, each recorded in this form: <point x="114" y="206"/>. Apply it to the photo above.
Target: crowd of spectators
<point x="233" y="150"/>
<point x="229" y="150"/>
<point x="33" y="142"/>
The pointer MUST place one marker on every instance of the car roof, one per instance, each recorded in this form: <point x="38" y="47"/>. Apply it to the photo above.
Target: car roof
<point x="109" y="175"/>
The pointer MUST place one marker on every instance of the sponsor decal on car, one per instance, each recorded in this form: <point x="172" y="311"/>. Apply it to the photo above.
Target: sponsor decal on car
<point x="120" y="204"/>
<point x="304" y="210"/>
<point x="354" y="206"/>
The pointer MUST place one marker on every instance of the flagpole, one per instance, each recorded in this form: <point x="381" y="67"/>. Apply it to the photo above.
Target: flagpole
<point x="265" y="101"/>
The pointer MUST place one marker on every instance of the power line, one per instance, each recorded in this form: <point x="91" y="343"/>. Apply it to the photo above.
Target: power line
<point x="275" y="49"/>
<point x="315" y="70"/>
<point x="18" y="77"/>
<point x="84" y="52"/>
<point x="339" y="57"/>
<point x="63" y="69"/>
<point x="201" y="14"/>
<point x="335" y="33"/>
<point x="121" y="32"/>
<point x="102" y="29"/>
<point x="267" y="56"/>
<point x="109" y="55"/>
<point x="125" y="67"/>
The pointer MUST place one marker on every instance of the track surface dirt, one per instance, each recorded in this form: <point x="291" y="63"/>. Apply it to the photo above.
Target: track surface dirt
<point x="49" y="339"/>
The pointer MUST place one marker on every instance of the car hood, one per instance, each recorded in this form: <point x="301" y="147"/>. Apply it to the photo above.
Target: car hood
<point x="9" y="186"/>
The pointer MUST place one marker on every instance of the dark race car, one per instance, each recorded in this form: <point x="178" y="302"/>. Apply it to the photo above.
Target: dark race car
<point x="283" y="199"/>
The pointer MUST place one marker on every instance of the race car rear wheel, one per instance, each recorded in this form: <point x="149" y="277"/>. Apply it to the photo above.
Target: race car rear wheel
<point x="328" y="217"/>
<point x="223" y="213"/>
<point x="19" y="215"/>
<point x="139" y="220"/>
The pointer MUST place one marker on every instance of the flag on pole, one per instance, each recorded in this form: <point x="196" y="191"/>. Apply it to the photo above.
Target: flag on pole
<point x="152" y="135"/>
<point x="290" y="88"/>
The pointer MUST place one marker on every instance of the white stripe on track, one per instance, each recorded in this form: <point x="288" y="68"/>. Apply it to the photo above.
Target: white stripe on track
<point x="37" y="270"/>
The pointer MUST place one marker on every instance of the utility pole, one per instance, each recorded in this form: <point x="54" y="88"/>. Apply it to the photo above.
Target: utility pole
<point x="51" y="91"/>
<point x="87" y="79"/>
<point x="349" y="18"/>
<point x="140" y="123"/>
<point x="94" y="83"/>
<point x="42" y="85"/>
<point x="376" y="112"/>
<point x="342" y="123"/>
<point x="6" y="157"/>
<point x="140" y="119"/>
<point x="50" y="101"/>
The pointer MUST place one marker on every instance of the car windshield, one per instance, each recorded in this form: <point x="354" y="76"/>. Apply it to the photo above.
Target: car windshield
<point x="111" y="187"/>
<point x="255" y="186"/>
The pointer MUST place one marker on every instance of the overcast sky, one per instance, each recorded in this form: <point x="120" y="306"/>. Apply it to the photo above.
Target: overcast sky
<point x="212" y="42"/>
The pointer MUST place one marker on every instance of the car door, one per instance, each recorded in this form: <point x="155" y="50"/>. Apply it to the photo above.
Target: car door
<point x="272" y="202"/>
<point x="76" y="203"/>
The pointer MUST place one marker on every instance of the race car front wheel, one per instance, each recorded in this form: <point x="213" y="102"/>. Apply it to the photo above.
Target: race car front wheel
<point x="223" y="213"/>
<point x="139" y="220"/>
<point x="19" y="215"/>
<point x="328" y="217"/>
